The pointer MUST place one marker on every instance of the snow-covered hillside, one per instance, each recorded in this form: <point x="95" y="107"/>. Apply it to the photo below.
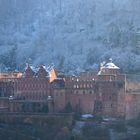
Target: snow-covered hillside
<point x="73" y="34"/>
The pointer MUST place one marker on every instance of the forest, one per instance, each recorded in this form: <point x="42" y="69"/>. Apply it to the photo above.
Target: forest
<point x="73" y="35"/>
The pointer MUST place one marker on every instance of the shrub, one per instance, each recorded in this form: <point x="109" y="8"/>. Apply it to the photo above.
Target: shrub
<point x="96" y="132"/>
<point x="119" y="126"/>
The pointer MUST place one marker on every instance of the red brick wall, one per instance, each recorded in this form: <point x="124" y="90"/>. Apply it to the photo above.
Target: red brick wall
<point x="33" y="88"/>
<point x="110" y="98"/>
<point x="84" y="99"/>
<point x="59" y="96"/>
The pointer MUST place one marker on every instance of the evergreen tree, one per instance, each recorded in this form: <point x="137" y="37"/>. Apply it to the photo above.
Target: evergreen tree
<point x="8" y="59"/>
<point x="68" y="108"/>
<point x="45" y="109"/>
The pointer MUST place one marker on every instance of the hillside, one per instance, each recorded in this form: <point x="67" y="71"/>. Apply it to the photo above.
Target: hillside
<point x="73" y="34"/>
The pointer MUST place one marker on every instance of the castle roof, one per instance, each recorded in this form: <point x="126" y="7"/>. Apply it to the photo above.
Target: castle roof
<point x="110" y="65"/>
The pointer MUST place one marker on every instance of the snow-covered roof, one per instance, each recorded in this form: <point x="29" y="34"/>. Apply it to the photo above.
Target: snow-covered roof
<point x="45" y="68"/>
<point x="87" y="116"/>
<point x="30" y="66"/>
<point x="110" y="65"/>
<point x="35" y="69"/>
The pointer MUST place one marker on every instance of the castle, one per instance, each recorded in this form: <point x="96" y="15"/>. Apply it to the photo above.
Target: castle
<point x="105" y="92"/>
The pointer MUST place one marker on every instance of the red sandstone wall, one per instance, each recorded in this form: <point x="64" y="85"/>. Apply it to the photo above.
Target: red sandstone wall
<point x="33" y="88"/>
<point x="132" y="105"/>
<point x="59" y="99"/>
<point x="84" y="100"/>
<point x="109" y="93"/>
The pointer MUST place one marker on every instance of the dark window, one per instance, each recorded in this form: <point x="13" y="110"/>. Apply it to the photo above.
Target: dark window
<point x="90" y="92"/>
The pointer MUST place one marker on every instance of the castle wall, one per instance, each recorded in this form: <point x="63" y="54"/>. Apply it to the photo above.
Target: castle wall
<point x="132" y="98"/>
<point x="112" y="99"/>
<point x="33" y="88"/>
<point x="59" y="96"/>
<point x="132" y="105"/>
<point x="104" y="93"/>
<point x="84" y="99"/>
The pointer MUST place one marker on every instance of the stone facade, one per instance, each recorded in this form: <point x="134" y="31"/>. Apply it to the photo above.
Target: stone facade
<point x="100" y="92"/>
<point x="103" y="92"/>
<point x="132" y="98"/>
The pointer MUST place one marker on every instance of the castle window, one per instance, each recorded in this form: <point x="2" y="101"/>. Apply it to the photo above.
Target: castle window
<point x="114" y="84"/>
<point x="77" y="92"/>
<point x="90" y="92"/>
<point x="114" y="92"/>
<point x="111" y="105"/>
<point x="83" y="92"/>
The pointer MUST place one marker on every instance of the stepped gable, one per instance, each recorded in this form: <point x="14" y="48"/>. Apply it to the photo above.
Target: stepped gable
<point x="29" y="72"/>
<point x="42" y="72"/>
